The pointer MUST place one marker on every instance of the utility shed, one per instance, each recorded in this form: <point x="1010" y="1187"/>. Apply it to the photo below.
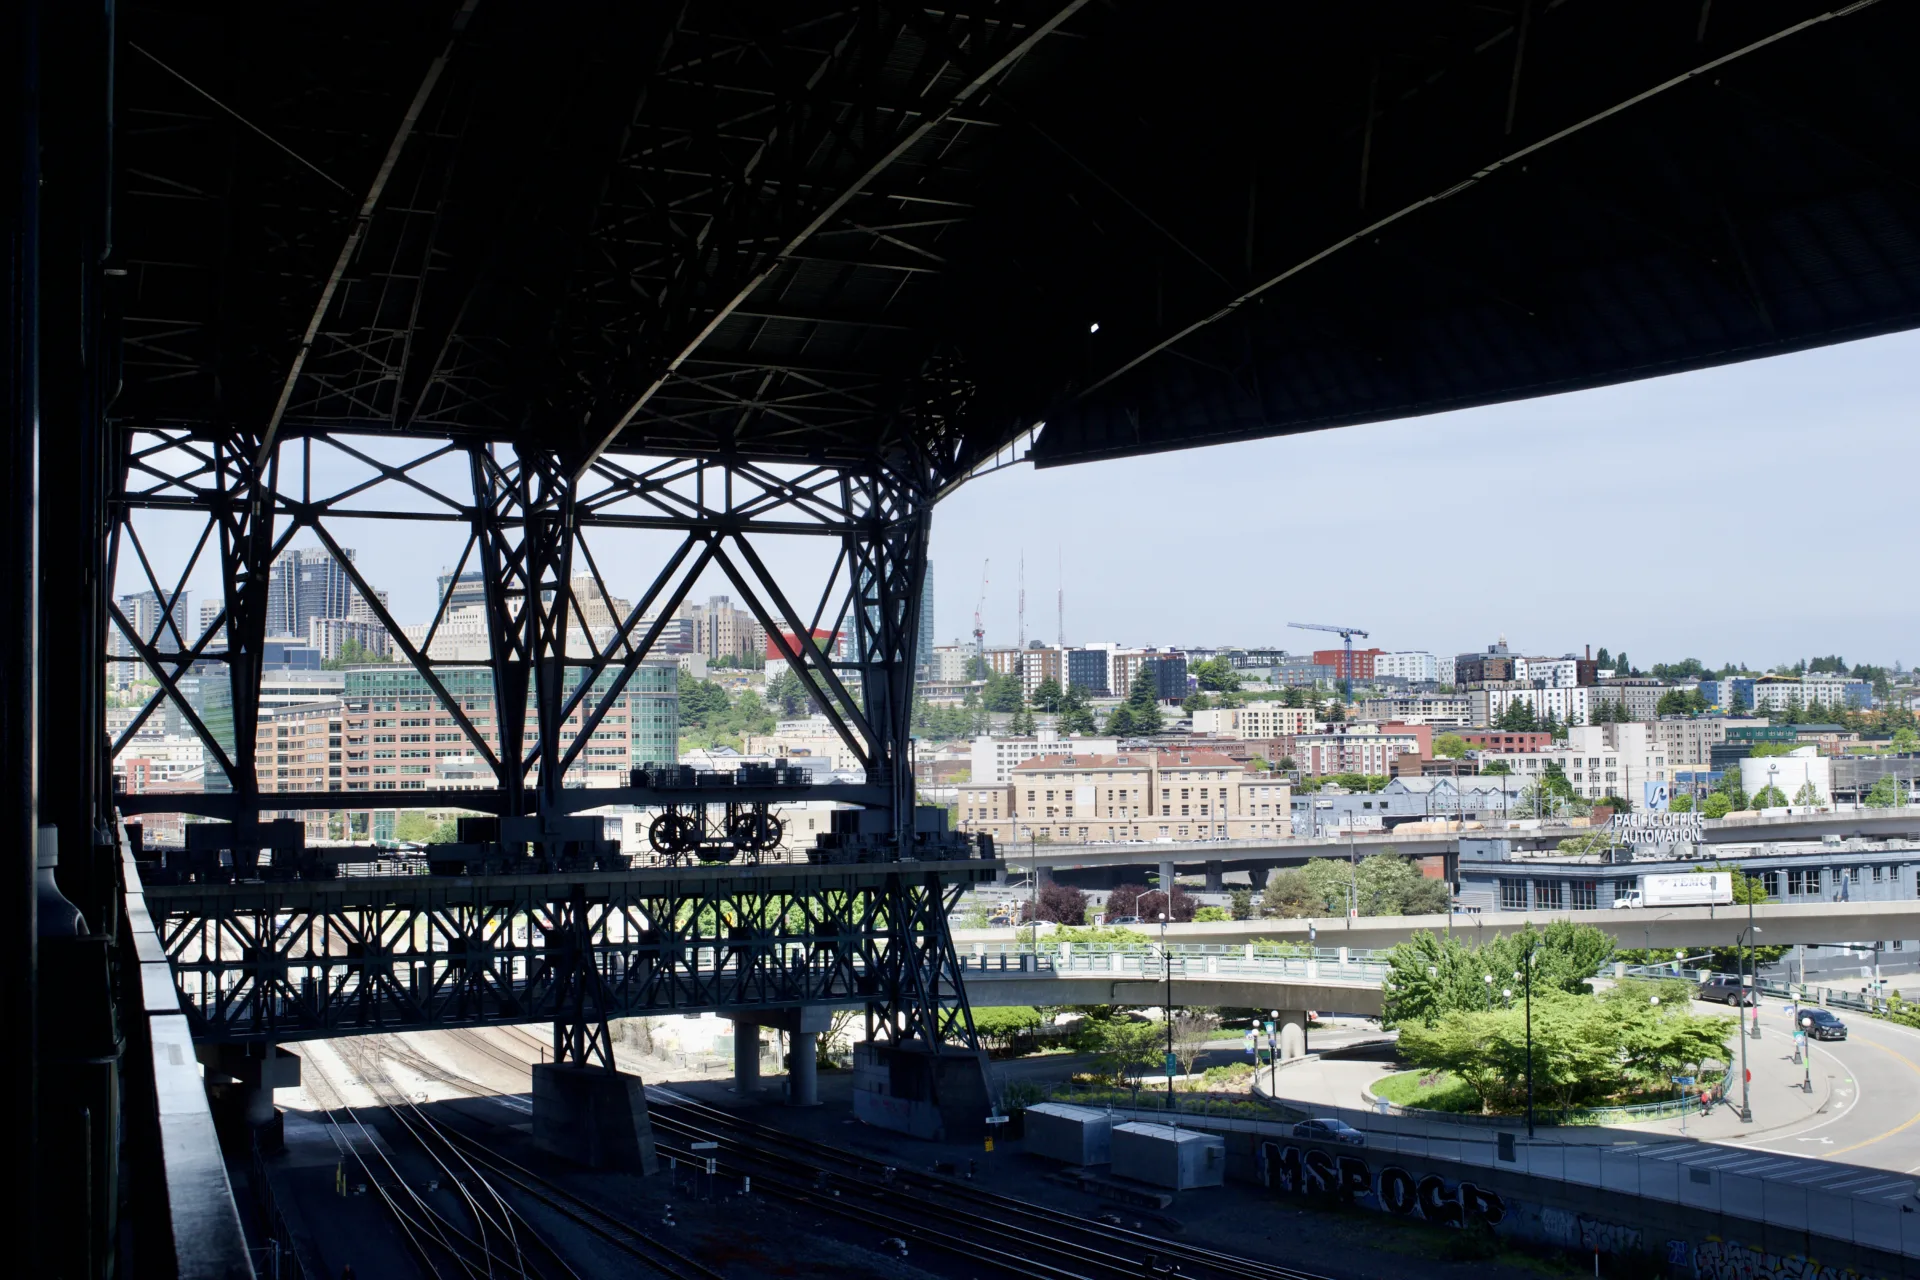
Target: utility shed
<point x="1075" y="1135"/>
<point x="1164" y="1156"/>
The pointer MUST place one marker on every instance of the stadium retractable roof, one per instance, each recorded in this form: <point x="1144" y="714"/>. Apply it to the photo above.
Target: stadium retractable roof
<point x="803" y="230"/>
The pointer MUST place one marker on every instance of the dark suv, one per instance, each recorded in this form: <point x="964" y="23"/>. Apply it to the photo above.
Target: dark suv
<point x="1726" y="991"/>
<point x="1821" y="1025"/>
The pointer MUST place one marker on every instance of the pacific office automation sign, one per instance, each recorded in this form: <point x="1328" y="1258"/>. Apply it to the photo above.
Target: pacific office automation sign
<point x="1659" y="829"/>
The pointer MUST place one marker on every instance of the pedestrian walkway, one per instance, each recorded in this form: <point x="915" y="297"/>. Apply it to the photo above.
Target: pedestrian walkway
<point x="1778" y="1093"/>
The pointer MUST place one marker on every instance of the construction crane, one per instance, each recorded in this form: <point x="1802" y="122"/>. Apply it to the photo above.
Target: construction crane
<point x="979" y="606"/>
<point x="1346" y="634"/>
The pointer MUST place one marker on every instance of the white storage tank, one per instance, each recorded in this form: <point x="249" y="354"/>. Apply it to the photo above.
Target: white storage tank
<point x="1076" y="1135"/>
<point x="1163" y="1156"/>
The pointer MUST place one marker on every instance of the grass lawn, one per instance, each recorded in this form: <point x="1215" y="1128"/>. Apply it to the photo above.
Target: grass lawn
<point x="1445" y="1093"/>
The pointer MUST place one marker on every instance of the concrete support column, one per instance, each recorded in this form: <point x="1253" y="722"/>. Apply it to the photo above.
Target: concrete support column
<point x="803" y="1079"/>
<point x="1293" y="1033"/>
<point x="1044" y="874"/>
<point x="1216" y="877"/>
<point x="746" y="1057"/>
<point x="1166" y="876"/>
<point x="1258" y="878"/>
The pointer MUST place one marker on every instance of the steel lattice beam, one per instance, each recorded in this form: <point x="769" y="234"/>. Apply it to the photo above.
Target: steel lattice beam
<point x="295" y="961"/>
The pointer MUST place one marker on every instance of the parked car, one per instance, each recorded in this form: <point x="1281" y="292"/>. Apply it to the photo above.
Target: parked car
<point x="1330" y="1130"/>
<point x="1123" y="920"/>
<point x="1727" y="991"/>
<point x="1821" y="1025"/>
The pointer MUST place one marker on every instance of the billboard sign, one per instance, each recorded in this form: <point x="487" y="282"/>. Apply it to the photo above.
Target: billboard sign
<point x="1654" y="797"/>
<point x="1688" y="889"/>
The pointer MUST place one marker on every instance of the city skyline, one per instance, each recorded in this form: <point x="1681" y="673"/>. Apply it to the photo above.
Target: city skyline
<point x="1666" y="550"/>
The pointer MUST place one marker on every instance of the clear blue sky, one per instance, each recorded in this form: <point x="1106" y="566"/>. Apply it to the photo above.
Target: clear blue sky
<point x="1756" y="512"/>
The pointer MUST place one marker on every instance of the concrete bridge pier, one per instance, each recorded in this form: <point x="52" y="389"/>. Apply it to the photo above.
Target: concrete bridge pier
<point x="746" y="1058"/>
<point x="241" y="1079"/>
<point x="803" y="1027"/>
<point x="1216" y="877"/>
<point x="1166" y="874"/>
<point x="1257" y="876"/>
<point x="1293" y="1033"/>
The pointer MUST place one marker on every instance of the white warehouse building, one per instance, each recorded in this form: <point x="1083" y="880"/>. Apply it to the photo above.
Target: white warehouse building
<point x="1790" y="773"/>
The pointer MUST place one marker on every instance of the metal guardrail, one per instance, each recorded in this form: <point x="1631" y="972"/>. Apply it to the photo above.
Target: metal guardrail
<point x="1324" y="964"/>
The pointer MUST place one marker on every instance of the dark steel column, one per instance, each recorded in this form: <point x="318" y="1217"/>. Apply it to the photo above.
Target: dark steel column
<point x="19" y="620"/>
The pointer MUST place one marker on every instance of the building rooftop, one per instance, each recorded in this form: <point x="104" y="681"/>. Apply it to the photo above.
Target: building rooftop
<point x="1129" y="760"/>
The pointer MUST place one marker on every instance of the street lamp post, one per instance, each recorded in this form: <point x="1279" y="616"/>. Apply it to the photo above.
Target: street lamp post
<point x="1746" y="1078"/>
<point x="1527" y="963"/>
<point x="1166" y="958"/>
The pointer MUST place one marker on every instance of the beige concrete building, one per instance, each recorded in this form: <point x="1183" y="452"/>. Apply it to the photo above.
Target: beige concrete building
<point x="1255" y="720"/>
<point x="1132" y="795"/>
<point x="1689" y="742"/>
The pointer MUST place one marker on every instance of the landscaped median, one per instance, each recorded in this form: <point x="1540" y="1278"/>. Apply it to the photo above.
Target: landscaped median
<point x="1441" y="1093"/>
<point x="1516" y="1022"/>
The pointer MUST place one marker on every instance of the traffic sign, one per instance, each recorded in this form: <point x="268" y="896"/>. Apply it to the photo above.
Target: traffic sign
<point x="1683" y="1079"/>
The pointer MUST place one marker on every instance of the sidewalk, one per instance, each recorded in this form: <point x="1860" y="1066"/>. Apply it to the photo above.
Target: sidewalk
<point x="1777" y="1098"/>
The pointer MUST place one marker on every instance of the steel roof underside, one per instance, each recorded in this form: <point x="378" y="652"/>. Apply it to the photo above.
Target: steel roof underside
<point x="794" y="230"/>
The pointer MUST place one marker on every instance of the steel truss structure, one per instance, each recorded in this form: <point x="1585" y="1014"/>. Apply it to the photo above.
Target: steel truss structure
<point x="287" y="962"/>
<point x="529" y="533"/>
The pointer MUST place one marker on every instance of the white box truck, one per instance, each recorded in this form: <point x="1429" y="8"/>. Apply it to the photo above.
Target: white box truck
<point x="1687" y="889"/>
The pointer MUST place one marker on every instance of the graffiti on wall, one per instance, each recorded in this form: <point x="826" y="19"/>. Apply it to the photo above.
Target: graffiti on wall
<point x="1577" y="1231"/>
<point x="1292" y="1170"/>
<point x="1731" y="1260"/>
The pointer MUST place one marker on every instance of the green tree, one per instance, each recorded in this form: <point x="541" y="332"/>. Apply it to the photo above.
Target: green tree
<point x="1120" y="722"/>
<point x="1240" y="904"/>
<point x="1195" y="701"/>
<point x="1808" y="795"/>
<point x="1518" y="717"/>
<point x="1497" y="768"/>
<point x="1450" y="746"/>
<point x="701" y="701"/>
<point x="1215" y="675"/>
<point x="1143" y="704"/>
<point x="1001" y="1025"/>
<point x="1619" y="804"/>
<point x="1886" y="793"/>
<point x="1905" y="740"/>
<point x="787" y="694"/>
<point x="1769" y="797"/>
<point x="1048" y="695"/>
<point x="1682" y="803"/>
<point x="411" y="826"/>
<point x="1022" y="726"/>
<point x="354" y="654"/>
<point x="1076" y="711"/>
<point x="1120" y="1044"/>
<point x="1717" y="805"/>
<point x="1002" y="693"/>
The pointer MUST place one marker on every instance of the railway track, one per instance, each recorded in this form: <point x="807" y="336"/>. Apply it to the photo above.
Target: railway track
<point x="948" y="1214"/>
<point x="469" y="1161"/>
<point x="496" y="1249"/>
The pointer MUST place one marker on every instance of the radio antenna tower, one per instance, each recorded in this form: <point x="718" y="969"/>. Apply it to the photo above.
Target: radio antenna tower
<point x="1023" y="600"/>
<point x="1060" y="593"/>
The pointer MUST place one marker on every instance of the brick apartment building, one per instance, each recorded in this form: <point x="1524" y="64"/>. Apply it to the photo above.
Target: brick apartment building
<point x="1129" y="795"/>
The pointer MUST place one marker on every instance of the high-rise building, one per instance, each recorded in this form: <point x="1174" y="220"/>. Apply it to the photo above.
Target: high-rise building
<point x="145" y="613"/>
<point x="469" y="590"/>
<point x="923" y="648"/>
<point x="722" y="631"/>
<point x="307" y="583"/>
<point x="1087" y="669"/>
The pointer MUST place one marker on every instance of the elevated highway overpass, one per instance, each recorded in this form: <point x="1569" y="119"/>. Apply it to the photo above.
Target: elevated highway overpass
<point x="1214" y="858"/>
<point x="1819" y="923"/>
